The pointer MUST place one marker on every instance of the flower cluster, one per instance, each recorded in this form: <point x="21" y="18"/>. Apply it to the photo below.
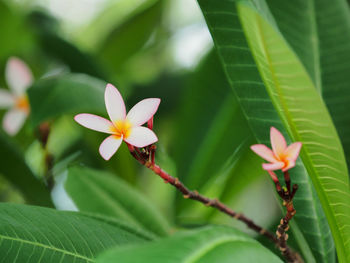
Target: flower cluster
<point x="19" y="78"/>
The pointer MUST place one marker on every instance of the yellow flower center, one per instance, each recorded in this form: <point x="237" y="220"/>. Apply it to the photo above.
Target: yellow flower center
<point x="22" y="103"/>
<point x="283" y="158"/>
<point x="121" y="128"/>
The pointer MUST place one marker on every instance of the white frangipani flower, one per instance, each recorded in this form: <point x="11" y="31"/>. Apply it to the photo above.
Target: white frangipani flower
<point x="19" y="78"/>
<point x="121" y="126"/>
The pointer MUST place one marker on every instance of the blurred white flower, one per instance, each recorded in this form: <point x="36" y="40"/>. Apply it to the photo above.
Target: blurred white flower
<point x="19" y="78"/>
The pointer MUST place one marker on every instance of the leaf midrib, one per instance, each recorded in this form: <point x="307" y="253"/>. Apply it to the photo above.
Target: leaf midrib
<point x="36" y="244"/>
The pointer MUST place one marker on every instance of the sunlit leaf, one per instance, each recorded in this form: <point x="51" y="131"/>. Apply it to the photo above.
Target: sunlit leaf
<point x="210" y="244"/>
<point x="245" y="80"/>
<point x="306" y="119"/>
<point x="320" y="38"/>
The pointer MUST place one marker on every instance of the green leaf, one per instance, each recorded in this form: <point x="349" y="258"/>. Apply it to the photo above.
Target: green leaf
<point x="204" y="154"/>
<point x="65" y="94"/>
<point x="113" y="15"/>
<point x="306" y="119"/>
<point x="103" y="193"/>
<point x="243" y="76"/>
<point x="16" y="171"/>
<point x="321" y="42"/>
<point x="210" y="244"/>
<point x="34" y="234"/>
<point x="15" y="36"/>
<point x="126" y="39"/>
<point x="46" y="28"/>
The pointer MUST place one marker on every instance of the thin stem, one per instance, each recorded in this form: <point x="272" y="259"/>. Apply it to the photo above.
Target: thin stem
<point x="153" y="153"/>
<point x="279" y="189"/>
<point x="294" y="190"/>
<point x="43" y="135"/>
<point x="287" y="180"/>
<point x="194" y="195"/>
<point x="282" y="236"/>
<point x="49" y="162"/>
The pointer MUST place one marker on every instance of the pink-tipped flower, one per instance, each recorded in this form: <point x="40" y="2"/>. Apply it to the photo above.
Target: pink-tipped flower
<point x="281" y="156"/>
<point x="122" y="126"/>
<point x="19" y="78"/>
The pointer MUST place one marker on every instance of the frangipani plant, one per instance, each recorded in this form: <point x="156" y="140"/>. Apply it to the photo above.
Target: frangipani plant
<point x="127" y="127"/>
<point x="275" y="68"/>
<point x="19" y="78"/>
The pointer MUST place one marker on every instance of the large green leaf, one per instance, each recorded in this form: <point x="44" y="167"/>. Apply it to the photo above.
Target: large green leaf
<point x="69" y="93"/>
<point x="15" y="36"/>
<point x="111" y="16"/>
<point x="320" y="38"/>
<point x="103" y="193"/>
<point x="16" y="171"/>
<point x="204" y="154"/>
<point x="34" y="234"/>
<point x="244" y="78"/>
<point x="126" y="39"/>
<point x="46" y="29"/>
<point x="306" y="119"/>
<point x="210" y="244"/>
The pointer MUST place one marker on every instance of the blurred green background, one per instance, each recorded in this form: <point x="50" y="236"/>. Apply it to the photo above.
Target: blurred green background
<point x="147" y="48"/>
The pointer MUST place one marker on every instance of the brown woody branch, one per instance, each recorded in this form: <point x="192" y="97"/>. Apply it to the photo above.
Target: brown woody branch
<point x="145" y="157"/>
<point x="287" y="195"/>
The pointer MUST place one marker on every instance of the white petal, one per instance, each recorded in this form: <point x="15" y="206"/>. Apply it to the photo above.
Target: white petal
<point x="272" y="166"/>
<point x="109" y="146"/>
<point x="143" y="111"/>
<point x="293" y="150"/>
<point x="141" y="137"/>
<point x="94" y="122"/>
<point x="13" y="121"/>
<point x="291" y="164"/>
<point x="278" y="142"/>
<point x="264" y="152"/>
<point x="114" y="103"/>
<point x="6" y="99"/>
<point x="18" y="75"/>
